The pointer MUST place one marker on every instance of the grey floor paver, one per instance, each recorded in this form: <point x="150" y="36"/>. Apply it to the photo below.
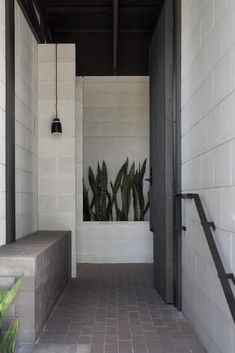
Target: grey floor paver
<point x="115" y="309"/>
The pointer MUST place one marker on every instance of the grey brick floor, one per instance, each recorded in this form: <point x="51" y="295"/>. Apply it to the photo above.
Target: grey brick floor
<point x="115" y="309"/>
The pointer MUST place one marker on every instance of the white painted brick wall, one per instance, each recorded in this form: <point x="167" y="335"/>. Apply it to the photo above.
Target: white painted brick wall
<point x="116" y="122"/>
<point x="208" y="163"/>
<point x="2" y="125"/>
<point x="57" y="153"/>
<point x="26" y="64"/>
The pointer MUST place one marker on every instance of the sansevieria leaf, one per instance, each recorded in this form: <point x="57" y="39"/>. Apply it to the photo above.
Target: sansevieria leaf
<point x="127" y="190"/>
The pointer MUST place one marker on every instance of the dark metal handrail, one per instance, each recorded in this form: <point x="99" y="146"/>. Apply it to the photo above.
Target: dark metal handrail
<point x="223" y="276"/>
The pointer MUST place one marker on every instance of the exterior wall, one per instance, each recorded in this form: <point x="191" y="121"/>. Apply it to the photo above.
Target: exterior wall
<point x="26" y="63"/>
<point x="57" y="153"/>
<point x="116" y="122"/>
<point x="208" y="163"/>
<point x="2" y="125"/>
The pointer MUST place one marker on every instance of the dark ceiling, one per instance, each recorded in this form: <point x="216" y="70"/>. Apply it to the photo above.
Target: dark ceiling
<point x="112" y="36"/>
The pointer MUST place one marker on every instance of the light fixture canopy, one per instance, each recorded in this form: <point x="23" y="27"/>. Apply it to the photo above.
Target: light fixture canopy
<point x="56" y="127"/>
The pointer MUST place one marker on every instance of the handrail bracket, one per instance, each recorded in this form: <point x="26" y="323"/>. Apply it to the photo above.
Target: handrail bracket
<point x="228" y="276"/>
<point x="212" y="225"/>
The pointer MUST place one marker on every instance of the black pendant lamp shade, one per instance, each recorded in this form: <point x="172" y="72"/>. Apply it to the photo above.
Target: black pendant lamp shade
<point x="56" y="127"/>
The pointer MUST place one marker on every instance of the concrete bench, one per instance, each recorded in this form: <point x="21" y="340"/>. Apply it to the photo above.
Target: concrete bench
<point x="44" y="258"/>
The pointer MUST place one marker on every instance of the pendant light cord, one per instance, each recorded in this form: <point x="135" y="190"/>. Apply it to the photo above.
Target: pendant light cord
<point x="56" y="93"/>
<point x="56" y="88"/>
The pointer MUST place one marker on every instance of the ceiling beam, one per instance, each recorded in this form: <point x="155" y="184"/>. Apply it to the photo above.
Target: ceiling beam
<point x="115" y="35"/>
<point x="103" y="30"/>
<point x="78" y="9"/>
<point x="101" y="9"/>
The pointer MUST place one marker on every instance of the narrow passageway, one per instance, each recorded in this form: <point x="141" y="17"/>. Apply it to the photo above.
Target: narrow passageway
<point x="115" y="309"/>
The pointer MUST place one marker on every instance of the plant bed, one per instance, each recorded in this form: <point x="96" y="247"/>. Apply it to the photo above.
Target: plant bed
<point x="9" y="287"/>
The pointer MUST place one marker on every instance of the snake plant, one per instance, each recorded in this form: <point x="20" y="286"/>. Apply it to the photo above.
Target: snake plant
<point x="100" y="208"/>
<point x="126" y="187"/>
<point x="8" y="339"/>
<point x="128" y="184"/>
<point x="86" y="205"/>
<point x="139" y="205"/>
<point x="116" y="186"/>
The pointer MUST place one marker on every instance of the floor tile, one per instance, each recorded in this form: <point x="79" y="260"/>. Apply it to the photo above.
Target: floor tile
<point x="115" y="309"/>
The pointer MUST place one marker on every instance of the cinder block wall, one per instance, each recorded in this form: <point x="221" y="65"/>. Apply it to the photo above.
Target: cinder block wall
<point x="116" y="122"/>
<point x="56" y="153"/>
<point x="2" y="125"/>
<point x="26" y="126"/>
<point x="112" y="123"/>
<point x="26" y="114"/>
<point x="208" y="163"/>
<point x="79" y="160"/>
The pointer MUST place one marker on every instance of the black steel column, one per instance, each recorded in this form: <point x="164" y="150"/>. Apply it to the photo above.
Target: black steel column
<point x="177" y="157"/>
<point x="10" y="121"/>
<point x="115" y="34"/>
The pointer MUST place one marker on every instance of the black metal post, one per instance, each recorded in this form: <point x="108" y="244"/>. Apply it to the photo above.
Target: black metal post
<point x="115" y="34"/>
<point x="177" y="157"/>
<point x="10" y="121"/>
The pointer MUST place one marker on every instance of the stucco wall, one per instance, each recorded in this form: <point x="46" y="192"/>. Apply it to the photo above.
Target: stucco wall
<point x="208" y="163"/>
<point x="26" y="71"/>
<point x="2" y="125"/>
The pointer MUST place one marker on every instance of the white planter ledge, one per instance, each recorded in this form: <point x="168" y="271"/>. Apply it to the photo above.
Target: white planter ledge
<point x="115" y="242"/>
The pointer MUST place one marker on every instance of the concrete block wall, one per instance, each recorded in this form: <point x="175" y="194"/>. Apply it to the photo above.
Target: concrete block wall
<point x="208" y="163"/>
<point x="2" y="125"/>
<point x="26" y="70"/>
<point x="114" y="242"/>
<point x="44" y="260"/>
<point x="116" y="122"/>
<point x="79" y="160"/>
<point x="112" y="123"/>
<point x="56" y="154"/>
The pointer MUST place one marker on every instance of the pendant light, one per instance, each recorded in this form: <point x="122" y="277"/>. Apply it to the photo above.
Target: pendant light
<point x="56" y="127"/>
